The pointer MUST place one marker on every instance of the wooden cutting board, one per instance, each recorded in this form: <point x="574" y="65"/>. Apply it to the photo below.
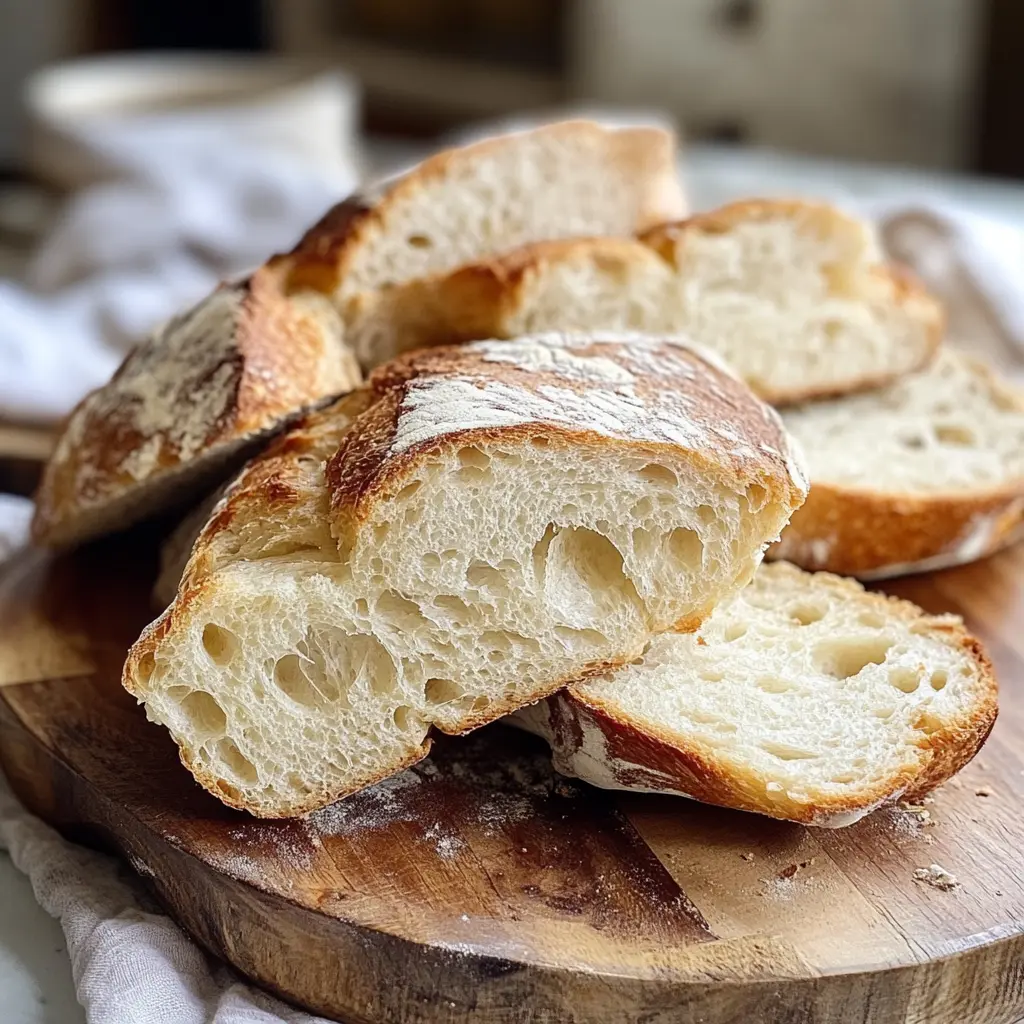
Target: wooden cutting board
<point x="479" y="886"/>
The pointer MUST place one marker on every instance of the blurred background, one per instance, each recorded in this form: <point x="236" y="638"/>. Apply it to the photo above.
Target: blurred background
<point x="148" y="150"/>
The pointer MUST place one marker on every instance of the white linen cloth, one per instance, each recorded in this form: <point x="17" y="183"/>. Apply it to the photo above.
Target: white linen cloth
<point x="192" y="197"/>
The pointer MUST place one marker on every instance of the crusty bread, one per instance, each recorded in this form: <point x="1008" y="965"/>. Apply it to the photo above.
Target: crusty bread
<point x="803" y="697"/>
<point x="923" y="474"/>
<point x="464" y="534"/>
<point x="794" y="295"/>
<point x="188" y="405"/>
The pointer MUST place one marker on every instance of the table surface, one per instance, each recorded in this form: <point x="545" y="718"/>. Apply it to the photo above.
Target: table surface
<point x="35" y="972"/>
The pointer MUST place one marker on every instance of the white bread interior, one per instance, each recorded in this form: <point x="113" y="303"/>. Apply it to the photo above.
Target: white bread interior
<point x="802" y="697"/>
<point x="528" y="528"/>
<point x="795" y="296"/>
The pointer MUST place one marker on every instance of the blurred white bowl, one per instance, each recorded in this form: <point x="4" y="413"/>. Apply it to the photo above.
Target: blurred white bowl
<point x="309" y="112"/>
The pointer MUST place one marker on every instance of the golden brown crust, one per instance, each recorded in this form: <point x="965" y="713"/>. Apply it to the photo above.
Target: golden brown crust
<point x="678" y="385"/>
<point x="871" y="535"/>
<point x="239" y="365"/>
<point x="641" y="756"/>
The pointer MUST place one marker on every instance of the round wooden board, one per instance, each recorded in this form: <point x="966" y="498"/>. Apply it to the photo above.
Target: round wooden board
<point x="479" y="886"/>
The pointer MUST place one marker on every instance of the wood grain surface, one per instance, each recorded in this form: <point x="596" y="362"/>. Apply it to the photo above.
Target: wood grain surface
<point x="479" y="886"/>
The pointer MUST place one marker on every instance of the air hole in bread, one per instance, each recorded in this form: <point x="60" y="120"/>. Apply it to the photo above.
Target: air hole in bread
<point x="402" y="614"/>
<point x="457" y="610"/>
<point x="843" y="659"/>
<point x="481" y="703"/>
<point x="474" y="465"/>
<point x="734" y="631"/>
<point x="913" y="442"/>
<point x="236" y="762"/>
<point x="658" y="476"/>
<point x="441" y="691"/>
<point x="418" y="241"/>
<point x="757" y="497"/>
<point x="710" y="675"/>
<point x="404" y="716"/>
<point x="884" y="712"/>
<point x="481" y="574"/>
<point x="540" y="441"/>
<point x="583" y="577"/>
<point x="644" y="542"/>
<point x="219" y="643"/>
<point x="380" y="532"/>
<point x="774" y="684"/>
<point x="576" y="638"/>
<point x="408" y="491"/>
<point x="145" y="668"/>
<point x="362" y="608"/>
<point x="706" y="514"/>
<point x="844" y="777"/>
<point x="873" y="620"/>
<point x="178" y="693"/>
<point x="685" y="550"/>
<point x="905" y="679"/>
<point x="430" y="560"/>
<point x="569" y="512"/>
<point x="291" y="678"/>
<point x="642" y="509"/>
<point x="939" y="678"/>
<point x="785" y="752"/>
<point x="955" y="434"/>
<point x="928" y="723"/>
<point x="206" y="717"/>
<point x="805" y="613"/>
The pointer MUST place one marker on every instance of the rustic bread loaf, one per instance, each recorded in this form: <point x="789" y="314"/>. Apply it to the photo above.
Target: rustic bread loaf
<point x="794" y="295"/>
<point x="923" y="474"/>
<point x="462" y="535"/>
<point x="803" y="697"/>
<point x="191" y="402"/>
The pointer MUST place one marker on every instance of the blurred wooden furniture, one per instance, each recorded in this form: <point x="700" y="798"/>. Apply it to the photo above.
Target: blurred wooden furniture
<point x="23" y="450"/>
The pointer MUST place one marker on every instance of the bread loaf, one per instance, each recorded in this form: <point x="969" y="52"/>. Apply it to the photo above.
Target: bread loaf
<point x="202" y="393"/>
<point x="794" y="295"/>
<point x="803" y="697"/>
<point x="923" y="474"/>
<point x="464" y="534"/>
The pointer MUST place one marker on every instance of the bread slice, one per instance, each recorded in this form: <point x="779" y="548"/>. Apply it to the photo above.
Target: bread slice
<point x="923" y="474"/>
<point x="188" y="406"/>
<point x="462" y="535"/>
<point x="794" y="295"/>
<point x="803" y="697"/>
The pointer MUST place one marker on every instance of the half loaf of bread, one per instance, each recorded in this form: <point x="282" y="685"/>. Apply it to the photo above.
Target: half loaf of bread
<point x="923" y="474"/>
<point x="464" y="534"/>
<point x="194" y="400"/>
<point x="794" y="295"/>
<point x="803" y="697"/>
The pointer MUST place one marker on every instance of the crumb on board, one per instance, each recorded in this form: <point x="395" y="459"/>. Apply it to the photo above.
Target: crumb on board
<point x="937" y="877"/>
<point x="918" y="810"/>
<point x="791" y="869"/>
<point x="747" y="856"/>
<point x="984" y="791"/>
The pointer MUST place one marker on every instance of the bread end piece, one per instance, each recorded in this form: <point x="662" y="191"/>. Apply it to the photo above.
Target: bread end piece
<point x="804" y="698"/>
<point x="188" y="405"/>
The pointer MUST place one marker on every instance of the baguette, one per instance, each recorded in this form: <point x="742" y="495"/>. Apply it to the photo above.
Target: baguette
<point x="199" y="396"/>
<point x="794" y="295"/>
<point x="921" y="475"/>
<point x="804" y="697"/>
<point x="460" y="536"/>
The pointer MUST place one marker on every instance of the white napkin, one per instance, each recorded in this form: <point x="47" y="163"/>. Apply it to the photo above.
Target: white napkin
<point x="193" y="197"/>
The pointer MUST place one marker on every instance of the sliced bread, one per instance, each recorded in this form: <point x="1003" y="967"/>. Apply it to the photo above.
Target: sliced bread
<point x="794" y="295"/>
<point x="191" y="402"/>
<point x="923" y="474"/>
<point x="462" y="535"/>
<point x="803" y="697"/>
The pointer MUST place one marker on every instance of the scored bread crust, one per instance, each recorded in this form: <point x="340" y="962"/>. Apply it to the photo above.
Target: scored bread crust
<point x="644" y="757"/>
<point x="491" y="297"/>
<point x="126" y="452"/>
<point x="188" y="404"/>
<point x="878" y="534"/>
<point x="339" y="463"/>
